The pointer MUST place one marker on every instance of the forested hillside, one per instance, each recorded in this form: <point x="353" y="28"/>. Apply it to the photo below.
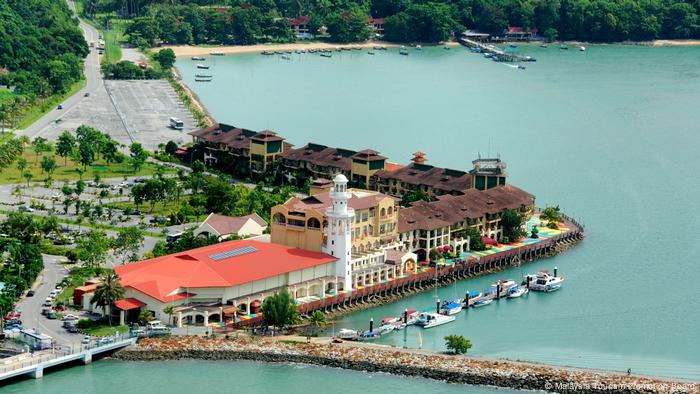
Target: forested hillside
<point x="239" y="21"/>
<point x="41" y="46"/>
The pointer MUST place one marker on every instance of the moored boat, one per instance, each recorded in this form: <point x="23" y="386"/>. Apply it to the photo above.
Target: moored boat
<point x="203" y="76"/>
<point x="471" y="296"/>
<point x="430" y="319"/>
<point x="582" y="48"/>
<point x="517" y="291"/>
<point x="202" y="66"/>
<point x="482" y="301"/>
<point x="369" y="335"/>
<point x="386" y="328"/>
<point x="370" y="53"/>
<point x="267" y="53"/>
<point x="326" y="54"/>
<point x="217" y="53"/>
<point x="403" y="51"/>
<point x="286" y="57"/>
<point x="451" y="307"/>
<point x="501" y="287"/>
<point x="348" y="334"/>
<point x="543" y="281"/>
<point x="197" y="58"/>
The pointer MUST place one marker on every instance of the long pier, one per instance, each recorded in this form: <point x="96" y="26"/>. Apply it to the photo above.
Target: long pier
<point x="442" y="276"/>
<point x="34" y="364"/>
<point x="502" y="55"/>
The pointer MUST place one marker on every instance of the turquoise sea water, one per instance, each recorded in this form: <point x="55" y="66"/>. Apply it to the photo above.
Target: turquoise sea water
<point x="611" y="134"/>
<point x="175" y="377"/>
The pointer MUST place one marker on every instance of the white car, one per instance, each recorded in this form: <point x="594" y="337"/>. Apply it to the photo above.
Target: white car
<point x="69" y="316"/>
<point x="86" y="340"/>
<point x="56" y="196"/>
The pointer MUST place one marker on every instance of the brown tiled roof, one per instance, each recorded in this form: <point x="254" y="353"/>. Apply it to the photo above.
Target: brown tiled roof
<point x="368" y="155"/>
<point x="267" y="136"/>
<point x="319" y="202"/>
<point x="450" y="209"/>
<point x="231" y="136"/>
<point x="321" y="155"/>
<point x="436" y="177"/>
<point x="230" y="224"/>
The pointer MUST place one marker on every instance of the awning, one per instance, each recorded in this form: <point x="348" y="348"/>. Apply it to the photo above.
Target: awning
<point x="128" y="304"/>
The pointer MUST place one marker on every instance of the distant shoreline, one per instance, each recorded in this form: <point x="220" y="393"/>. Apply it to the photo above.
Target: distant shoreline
<point x="190" y="50"/>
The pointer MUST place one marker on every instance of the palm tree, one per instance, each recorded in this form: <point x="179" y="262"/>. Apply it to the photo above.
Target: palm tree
<point x="169" y="310"/>
<point x="106" y="293"/>
<point x="317" y="320"/>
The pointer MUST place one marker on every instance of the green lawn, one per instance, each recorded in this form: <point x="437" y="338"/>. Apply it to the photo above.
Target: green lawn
<point x="105" y="330"/>
<point x="68" y="171"/>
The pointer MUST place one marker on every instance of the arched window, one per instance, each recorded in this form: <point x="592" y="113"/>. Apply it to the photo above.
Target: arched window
<point x="390" y="211"/>
<point x="382" y="212"/>
<point x="278" y="218"/>
<point x="313" y="223"/>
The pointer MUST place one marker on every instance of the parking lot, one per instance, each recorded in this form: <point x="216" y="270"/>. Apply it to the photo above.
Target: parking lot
<point x="129" y="110"/>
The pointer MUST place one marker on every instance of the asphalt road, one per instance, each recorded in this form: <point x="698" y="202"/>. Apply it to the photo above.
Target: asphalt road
<point x="94" y="82"/>
<point x="31" y="306"/>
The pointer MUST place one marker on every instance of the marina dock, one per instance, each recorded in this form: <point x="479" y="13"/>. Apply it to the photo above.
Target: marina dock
<point x="494" y="51"/>
<point x="34" y="364"/>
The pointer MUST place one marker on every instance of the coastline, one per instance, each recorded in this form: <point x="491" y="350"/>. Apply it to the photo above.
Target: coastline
<point x="406" y="362"/>
<point x="189" y="50"/>
<point x="676" y="43"/>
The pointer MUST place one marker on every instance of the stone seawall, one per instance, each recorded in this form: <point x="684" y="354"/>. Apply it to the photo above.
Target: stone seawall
<point x="374" y="358"/>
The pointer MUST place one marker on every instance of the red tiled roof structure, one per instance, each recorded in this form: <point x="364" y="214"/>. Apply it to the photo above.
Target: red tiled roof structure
<point x="300" y="21"/>
<point x="444" y="179"/>
<point x="235" y="137"/>
<point x="128" y="304"/>
<point x="231" y="224"/>
<point x="319" y="202"/>
<point x="226" y="264"/>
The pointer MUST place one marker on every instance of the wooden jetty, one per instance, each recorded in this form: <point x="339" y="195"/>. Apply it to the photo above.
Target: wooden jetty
<point x="486" y="48"/>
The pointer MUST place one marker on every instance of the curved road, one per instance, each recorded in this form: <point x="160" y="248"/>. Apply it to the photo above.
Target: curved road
<point x="94" y="81"/>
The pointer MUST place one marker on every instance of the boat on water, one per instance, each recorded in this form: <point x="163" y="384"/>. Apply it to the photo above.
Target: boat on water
<point x="326" y="54"/>
<point x="197" y="58"/>
<point x="564" y="47"/>
<point x="521" y="67"/>
<point x="504" y="284"/>
<point x="451" y="307"/>
<point x="347" y="334"/>
<point x="403" y="52"/>
<point x="370" y="53"/>
<point x="202" y="66"/>
<point x="203" y="79"/>
<point x="543" y="46"/>
<point x="203" y="76"/>
<point x="418" y="47"/>
<point x="543" y="281"/>
<point x="217" y="53"/>
<point x="582" y="48"/>
<point x="286" y="57"/>
<point x="513" y="46"/>
<point x="267" y="53"/>
<point x="369" y="335"/>
<point x="431" y="319"/>
<point x="386" y="328"/>
<point x="446" y="47"/>
<point x="482" y="301"/>
<point x="517" y="291"/>
<point x="471" y="296"/>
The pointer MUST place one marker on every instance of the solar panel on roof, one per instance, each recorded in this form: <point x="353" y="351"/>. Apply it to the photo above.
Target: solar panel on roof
<point x="232" y="253"/>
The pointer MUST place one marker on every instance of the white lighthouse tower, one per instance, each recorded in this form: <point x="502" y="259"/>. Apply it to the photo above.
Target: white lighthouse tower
<point x="339" y="229"/>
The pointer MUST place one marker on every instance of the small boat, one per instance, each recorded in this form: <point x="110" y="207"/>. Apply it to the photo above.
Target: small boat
<point x="543" y="46"/>
<point x="521" y="67"/>
<point x="356" y="48"/>
<point x="326" y="54"/>
<point x="563" y="47"/>
<point x="379" y="48"/>
<point x="202" y="79"/>
<point x="370" y="53"/>
<point x="198" y="58"/>
<point x="412" y="318"/>
<point x="488" y="54"/>
<point x="582" y="48"/>
<point x="418" y="47"/>
<point x="286" y="57"/>
<point x="202" y="66"/>
<point x="218" y="53"/>
<point x="390" y="320"/>
<point x="403" y="52"/>
<point x="482" y="301"/>
<point x="386" y="328"/>
<point x="203" y="76"/>
<point x="471" y="296"/>
<point x="430" y="319"/>
<point x="399" y="325"/>
<point x="347" y="334"/>
<point x="543" y="281"/>
<point x="513" y="46"/>
<point x="504" y="284"/>
<point x="368" y="335"/>
<point x="267" y="53"/>
<point x="517" y="291"/>
<point x="447" y="48"/>
<point x="451" y="307"/>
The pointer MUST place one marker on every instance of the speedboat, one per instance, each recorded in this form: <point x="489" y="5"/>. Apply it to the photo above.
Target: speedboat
<point x="451" y="307"/>
<point x="348" y="334"/>
<point x="543" y="281"/>
<point x="403" y="52"/>
<point x="446" y="47"/>
<point x="370" y="53"/>
<point x="582" y="48"/>
<point x="517" y="291"/>
<point x="197" y="58"/>
<point x="430" y="319"/>
<point x="267" y="53"/>
<point x="471" y="296"/>
<point x="202" y="66"/>
<point x="368" y="335"/>
<point x="482" y="301"/>
<point x="390" y="320"/>
<point x="326" y="54"/>
<point x="521" y="67"/>
<point x="286" y="57"/>
<point x="505" y="285"/>
<point x="412" y="318"/>
<point x="564" y="47"/>
<point x="418" y="47"/>
<point x="386" y="328"/>
<point x="543" y="46"/>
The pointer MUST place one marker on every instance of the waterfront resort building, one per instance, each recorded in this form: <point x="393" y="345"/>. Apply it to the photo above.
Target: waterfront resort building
<point x="371" y="220"/>
<point x="428" y="225"/>
<point x="300" y="27"/>
<point x="488" y="173"/>
<point x="240" y="149"/>
<point x="224" y="227"/>
<point x="206" y="283"/>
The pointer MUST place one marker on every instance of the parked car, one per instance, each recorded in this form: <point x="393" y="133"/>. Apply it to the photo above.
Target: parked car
<point x="86" y="340"/>
<point x="69" y="316"/>
<point x="25" y="208"/>
<point x="59" y="107"/>
<point x="87" y="94"/>
<point x="73" y="329"/>
<point x="56" y="196"/>
<point x="51" y="315"/>
<point x="30" y="293"/>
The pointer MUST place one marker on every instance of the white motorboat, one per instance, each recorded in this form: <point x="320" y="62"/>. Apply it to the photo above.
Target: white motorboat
<point x="202" y="66"/>
<point x="451" y="307"/>
<point x="386" y="328"/>
<point x="482" y="301"/>
<point x="430" y="319"/>
<point x="348" y="334"/>
<point x="471" y="297"/>
<point x="582" y="48"/>
<point x="517" y="291"/>
<point x="505" y="286"/>
<point x="543" y="281"/>
<point x="200" y="58"/>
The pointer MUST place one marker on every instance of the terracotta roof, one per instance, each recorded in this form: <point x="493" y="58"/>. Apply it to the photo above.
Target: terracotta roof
<point x="321" y="155"/>
<point x="302" y="20"/>
<point x="443" y="179"/>
<point x="389" y="166"/>
<point x="267" y="136"/>
<point x="231" y="224"/>
<point x="128" y="304"/>
<point x="359" y="199"/>
<point x="473" y="204"/>
<point x="220" y="265"/>
<point x="368" y="155"/>
<point x="231" y="136"/>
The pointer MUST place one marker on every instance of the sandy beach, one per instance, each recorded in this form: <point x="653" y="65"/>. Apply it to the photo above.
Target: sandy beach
<point x="189" y="50"/>
<point x="676" y="43"/>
